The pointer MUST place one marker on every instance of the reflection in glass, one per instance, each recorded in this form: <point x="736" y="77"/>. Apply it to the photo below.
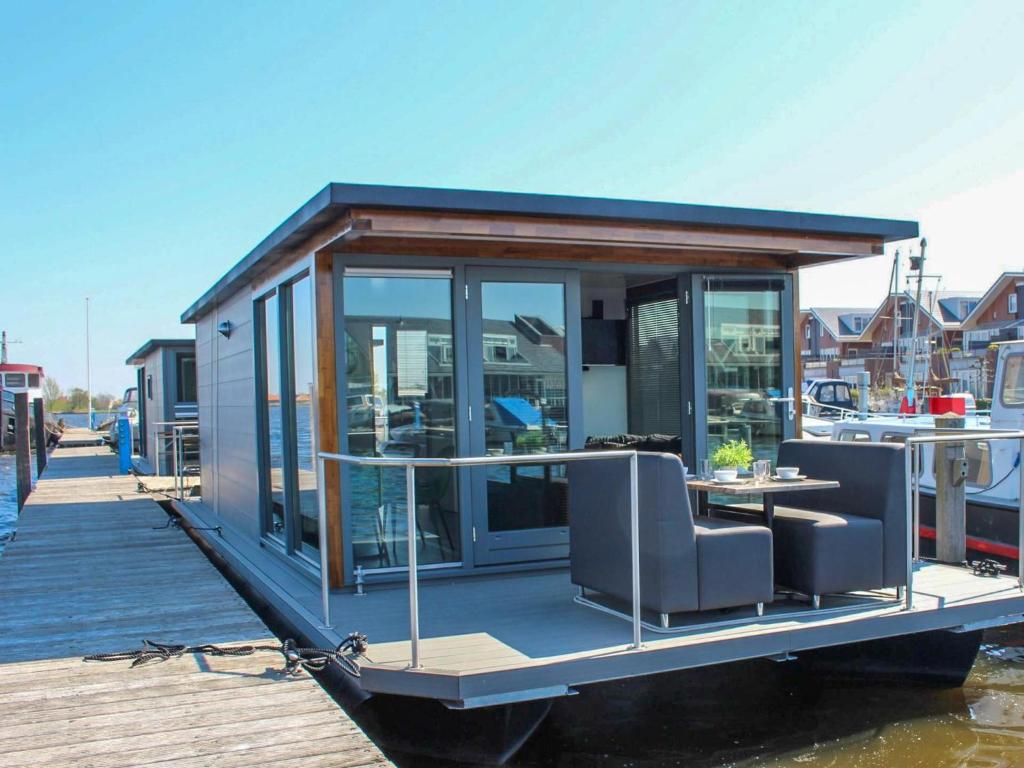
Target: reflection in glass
<point x="400" y="365"/>
<point x="743" y="331"/>
<point x="272" y="412"/>
<point x="525" y="402"/>
<point x="307" y="520"/>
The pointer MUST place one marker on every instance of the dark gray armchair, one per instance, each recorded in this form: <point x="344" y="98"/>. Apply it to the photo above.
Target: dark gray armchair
<point x="684" y="565"/>
<point x="846" y="539"/>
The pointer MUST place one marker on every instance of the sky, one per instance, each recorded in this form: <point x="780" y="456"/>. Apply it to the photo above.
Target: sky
<point x="146" y="147"/>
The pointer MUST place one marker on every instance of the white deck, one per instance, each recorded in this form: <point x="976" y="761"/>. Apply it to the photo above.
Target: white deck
<point x="520" y="635"/>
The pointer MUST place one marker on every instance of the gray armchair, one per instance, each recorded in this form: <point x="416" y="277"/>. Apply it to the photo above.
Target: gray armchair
<point x="846" y="539"/>
<point x="685" y="565"/>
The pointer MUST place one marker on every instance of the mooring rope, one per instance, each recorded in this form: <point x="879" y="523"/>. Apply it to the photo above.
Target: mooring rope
<point x="295" y="658"/>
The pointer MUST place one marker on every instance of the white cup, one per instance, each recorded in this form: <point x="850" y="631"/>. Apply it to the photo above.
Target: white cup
<point x="787" y="473"/>
<point x="725" y="475"/>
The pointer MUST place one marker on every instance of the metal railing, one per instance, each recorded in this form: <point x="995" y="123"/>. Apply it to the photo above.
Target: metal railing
<point x="913" y="464"/>
<point x="410" y="465"/>
<point x="179" y="439"/>
<point x="912" y="490"/>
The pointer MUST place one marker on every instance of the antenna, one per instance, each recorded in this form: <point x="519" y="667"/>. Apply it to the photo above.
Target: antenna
<point x="88" y="363"/>
<point x="3" y="346"/>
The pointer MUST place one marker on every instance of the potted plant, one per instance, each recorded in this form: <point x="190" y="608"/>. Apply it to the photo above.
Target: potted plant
<point x="730" y="458"/>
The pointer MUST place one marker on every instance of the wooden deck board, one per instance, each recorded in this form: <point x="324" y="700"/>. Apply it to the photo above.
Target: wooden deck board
<point x="506" y="634"/>
<point x="92" y="571"/>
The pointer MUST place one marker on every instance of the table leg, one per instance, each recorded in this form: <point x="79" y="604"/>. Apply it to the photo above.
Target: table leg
<point x="768" y="505"/>
<point x="702" y="503"/>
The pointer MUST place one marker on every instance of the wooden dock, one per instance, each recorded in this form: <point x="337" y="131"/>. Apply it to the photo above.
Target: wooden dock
<point x="93" y="570"/>
<point x="80" y="437"/>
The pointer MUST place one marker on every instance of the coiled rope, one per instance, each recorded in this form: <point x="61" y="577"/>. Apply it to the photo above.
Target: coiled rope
<point x="295" y="659"/>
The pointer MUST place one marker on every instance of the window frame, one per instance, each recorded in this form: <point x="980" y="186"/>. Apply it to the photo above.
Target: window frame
<point x="181" y="359"/>
<point x="1002" y="389"/>
<point x="1011" y="303"/>
<point x="289" y="543"/>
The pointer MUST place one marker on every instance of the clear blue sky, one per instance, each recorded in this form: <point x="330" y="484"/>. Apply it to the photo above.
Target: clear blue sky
<point x="145" y="147"/>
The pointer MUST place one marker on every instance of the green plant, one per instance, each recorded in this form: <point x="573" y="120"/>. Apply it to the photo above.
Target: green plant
<point x="532" y="441"/>
<point x="735" y="453"/>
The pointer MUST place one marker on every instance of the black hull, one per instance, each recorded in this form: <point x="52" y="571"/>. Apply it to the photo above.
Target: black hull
<point x="991" y="529"/>
<point x="425" y="731"/>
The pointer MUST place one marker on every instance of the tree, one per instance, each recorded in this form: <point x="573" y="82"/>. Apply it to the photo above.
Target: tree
<point x="104" y="401"/>
<point x="78" y="399"/>
<point x="51" y="392"/>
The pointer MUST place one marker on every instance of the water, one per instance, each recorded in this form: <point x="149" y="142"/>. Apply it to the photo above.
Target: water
<point x="82" y="419"/>
<point x="758" y="714"/>
<point x="8" y="497"/>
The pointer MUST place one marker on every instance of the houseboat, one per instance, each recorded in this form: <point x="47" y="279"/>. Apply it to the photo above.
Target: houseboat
<point x="395" y="390"/>
<point x="164" y="402"/>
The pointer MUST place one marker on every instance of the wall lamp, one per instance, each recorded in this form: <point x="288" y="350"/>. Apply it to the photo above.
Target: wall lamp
<point x="224" y="329"/>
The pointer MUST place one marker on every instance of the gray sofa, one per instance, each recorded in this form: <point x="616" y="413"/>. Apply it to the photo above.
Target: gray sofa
<point x="685" y="565"/>
<point x="846" y="539"/>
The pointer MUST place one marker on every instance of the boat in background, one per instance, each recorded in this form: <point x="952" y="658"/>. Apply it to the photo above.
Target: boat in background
<point x="993" y="481"/>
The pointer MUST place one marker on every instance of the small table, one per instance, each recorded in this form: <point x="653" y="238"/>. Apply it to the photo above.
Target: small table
<point x="747" y="487"/>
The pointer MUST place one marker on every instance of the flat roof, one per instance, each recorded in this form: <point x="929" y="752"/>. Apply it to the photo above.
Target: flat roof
<point x="336" y="198"/>
<point x="154" y="344"/>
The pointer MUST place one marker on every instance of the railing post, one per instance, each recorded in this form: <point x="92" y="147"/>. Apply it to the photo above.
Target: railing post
<point x="1020" y="514"/>
<point x="325" y="579"/>
<point x="910" y="464"/>
<point x="634" y="544"/>
<point x="414" y="598"/>
<point x="918" y="463"/>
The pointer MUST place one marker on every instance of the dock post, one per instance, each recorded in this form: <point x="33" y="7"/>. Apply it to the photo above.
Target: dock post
<point x="950" y="503"/>
<point x="22" y="448"/>
<point x="39" y="420"/>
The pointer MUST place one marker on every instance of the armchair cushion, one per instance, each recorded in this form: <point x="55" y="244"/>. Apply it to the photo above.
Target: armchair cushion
<point x="822" y="552"/>
<point x="735" y="563"/>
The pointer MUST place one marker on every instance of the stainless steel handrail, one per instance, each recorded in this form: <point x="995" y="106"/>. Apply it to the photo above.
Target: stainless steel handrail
<point x="410" y="465"/>
<point x="177" y="434"/>
<point x="913" y="490"/>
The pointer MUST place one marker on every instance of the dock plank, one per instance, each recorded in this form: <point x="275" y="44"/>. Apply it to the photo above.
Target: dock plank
<point x="92" y="570"/>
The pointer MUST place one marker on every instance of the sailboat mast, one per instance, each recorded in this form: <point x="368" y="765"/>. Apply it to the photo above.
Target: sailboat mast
<point x="894" y="290"/>
<point x="917" y="314"/>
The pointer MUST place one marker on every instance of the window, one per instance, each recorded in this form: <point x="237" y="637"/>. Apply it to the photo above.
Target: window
<point x="186" y="378"/>
<point x="1013" y="380"/>
<point x="399" y="391"/>
<point x="1011" y="303"/>
<point x="807" y="331"/>
<point x="822" y="331"/>
<point x="140" y="387"/>
<point x="33" y="380"/>
<point x="842" y="393"/>
<point x="854" y="436"/>
<point x="149" y="387"/>
<point x="14" y="379"/>
<point x="271" y="442"/>
<point x="858" y="324"/>
<point x="827" y="394"/>
<point x="288" y="476"/>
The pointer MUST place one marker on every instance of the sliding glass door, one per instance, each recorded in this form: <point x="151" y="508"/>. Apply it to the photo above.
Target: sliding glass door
<point x="400" y="367"/>
<point x="747" y="371"/>
<point x="523" y="342"/>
